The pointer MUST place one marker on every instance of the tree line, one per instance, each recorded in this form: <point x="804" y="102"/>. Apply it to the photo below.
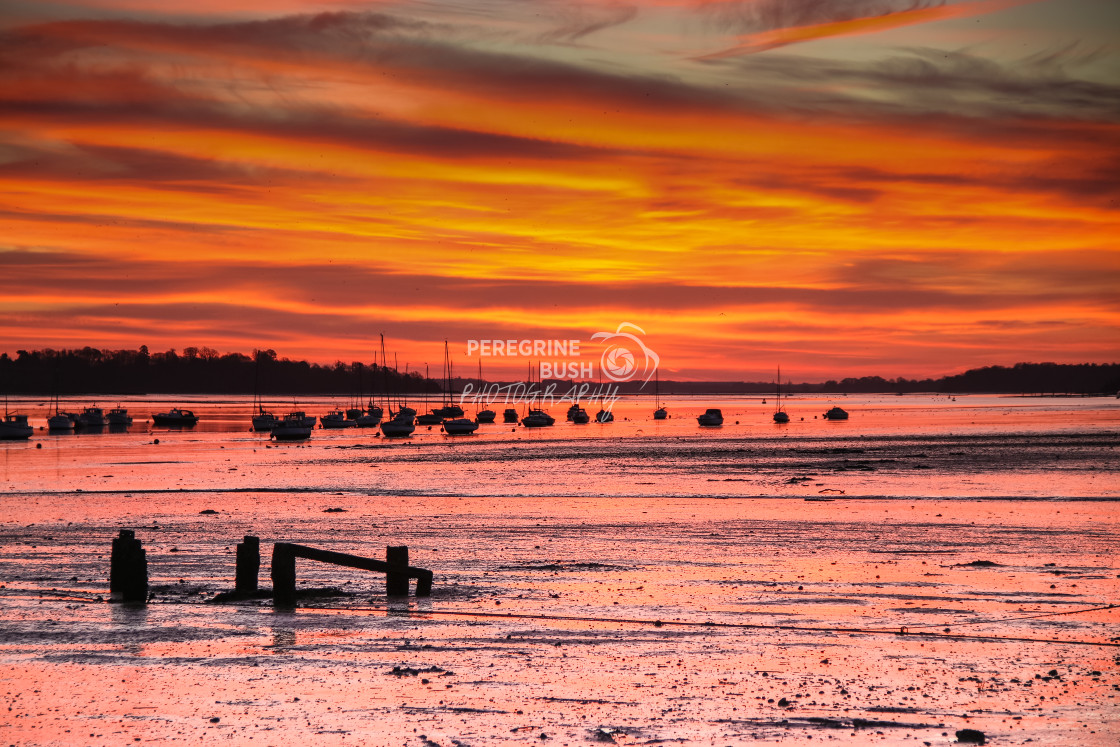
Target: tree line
<point x="196" y="371"/>
<point x="202" y="370"/>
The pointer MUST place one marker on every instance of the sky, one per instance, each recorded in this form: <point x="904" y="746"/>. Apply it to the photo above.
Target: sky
<point x="840" y="187"/>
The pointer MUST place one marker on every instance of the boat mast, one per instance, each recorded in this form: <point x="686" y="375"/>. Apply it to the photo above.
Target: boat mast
<point x="779" y="388"/>
<point x="447" y="365"/>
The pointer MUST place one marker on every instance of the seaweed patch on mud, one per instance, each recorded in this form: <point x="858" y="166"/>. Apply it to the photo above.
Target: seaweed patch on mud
<point x="559" y="567"/>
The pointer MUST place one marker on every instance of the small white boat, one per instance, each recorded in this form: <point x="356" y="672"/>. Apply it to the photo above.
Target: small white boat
<point x="61" y="421"/>
<point x="459" y="426"/>
<point x="711" y="417"/>
<point x="483" y="416"/>
<point x="660" y="413"/>
<point x="118" y="416"/>
<point x="293" y="427"/>
<point x="91" y="417"/>
<point x="14" y="427"/>
<point x="780" y="415"/>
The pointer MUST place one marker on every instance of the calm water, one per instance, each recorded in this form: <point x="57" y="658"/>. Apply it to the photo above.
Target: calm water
<point x="619" y="525"/>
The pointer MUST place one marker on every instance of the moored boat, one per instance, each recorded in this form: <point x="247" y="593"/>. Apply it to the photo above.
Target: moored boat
<point x="370" y="418"/>
<point x="604" y="416"/>
<point x="459" y="426"/>
<point x="264" y="421"/>
<point x="61" y="421"/>
<point x="510" y="415"/>
<point x="399" y="426"/>
<point x="711" y="417"/>
<point x="537" y="419"/>
<point x="660" y="413"/>
<point x="91" y="417"/>
<point x="176" y="417"/>
<point x="118" y="416"/>
<point x="780" y="415"/>
<point x="836" y="413"/>
<point x="487" y="415"/>
<point x="336" y="419"/>
<point x="292" y="427"/>
<point x="15" y="427"/>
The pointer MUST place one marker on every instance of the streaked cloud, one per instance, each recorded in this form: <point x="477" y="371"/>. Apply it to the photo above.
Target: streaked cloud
<point x="310" y="176"/>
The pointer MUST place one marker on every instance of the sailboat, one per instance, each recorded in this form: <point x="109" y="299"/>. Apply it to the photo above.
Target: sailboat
<point x="372" y="414"/>
<point x="536" y="418"/>
<point x="449" y="409"/>
<point x="780" y="415"/>
<point x="335" y="419"/>
<point x="60" y="421"/>
<point x="401" y="424"/>
<point x="355" y="411"/>
<point x="603" y="416"/>
<point x="487" y="415"/>
<point x="660" y="413"/>
<point x="578" y="415"/>
<point x="293" y="427"/>
<point x="433" y="416"/>
<point x="263" y="420"/>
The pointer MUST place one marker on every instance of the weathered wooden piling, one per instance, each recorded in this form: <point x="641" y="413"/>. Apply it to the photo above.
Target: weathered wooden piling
<point x="395" y="567"/>
<point x="248" y="564"/>
<point x="396" y="578"/>
<point x="283" y="575"/>
<point x="128" y="569"/>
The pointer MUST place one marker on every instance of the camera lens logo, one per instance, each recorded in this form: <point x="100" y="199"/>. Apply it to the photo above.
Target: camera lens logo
<point x="625" y="356"/>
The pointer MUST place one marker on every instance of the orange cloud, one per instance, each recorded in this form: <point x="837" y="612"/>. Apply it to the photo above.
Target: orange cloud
<point x="865" y="24"/>
<point x="304" y="183"/>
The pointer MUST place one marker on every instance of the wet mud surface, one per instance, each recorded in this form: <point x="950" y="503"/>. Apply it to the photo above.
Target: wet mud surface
<point x="633" y="621"/>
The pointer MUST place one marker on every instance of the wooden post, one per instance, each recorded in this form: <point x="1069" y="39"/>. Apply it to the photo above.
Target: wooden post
<point x="248" y="564"/>
<point x="424" y="584"/>
<point x="128" y="569"/>
<point x="396" y="579"/>
<point x="283" y="575"/>
<point x="395" y="567"/>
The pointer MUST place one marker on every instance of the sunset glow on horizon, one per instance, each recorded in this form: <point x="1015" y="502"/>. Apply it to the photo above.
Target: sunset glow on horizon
<point x="895" y="188"/>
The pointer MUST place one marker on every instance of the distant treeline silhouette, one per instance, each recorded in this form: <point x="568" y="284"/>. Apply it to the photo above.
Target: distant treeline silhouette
<point x="195" y="371"/>
<point x="204" y="371"/>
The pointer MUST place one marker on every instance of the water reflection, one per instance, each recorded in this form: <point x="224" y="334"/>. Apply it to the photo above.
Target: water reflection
<point x="129" y="614"/>
<point x="283" y="638"/>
